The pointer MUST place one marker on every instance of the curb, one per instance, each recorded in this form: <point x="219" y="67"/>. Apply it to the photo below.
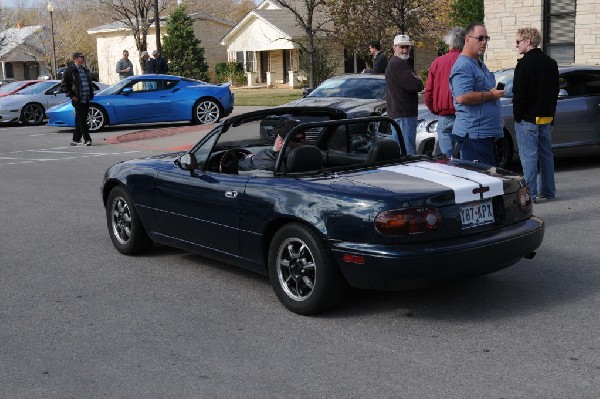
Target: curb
<point x="156" y="133"/>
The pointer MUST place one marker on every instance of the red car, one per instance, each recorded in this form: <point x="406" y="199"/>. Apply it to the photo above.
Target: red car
<point x="12" y="87"/>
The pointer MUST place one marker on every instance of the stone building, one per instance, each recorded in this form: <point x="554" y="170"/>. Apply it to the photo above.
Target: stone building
<point x="570" y="30"/>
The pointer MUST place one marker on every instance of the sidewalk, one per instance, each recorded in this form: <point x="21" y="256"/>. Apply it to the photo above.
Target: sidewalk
<point x="177" y="138"/>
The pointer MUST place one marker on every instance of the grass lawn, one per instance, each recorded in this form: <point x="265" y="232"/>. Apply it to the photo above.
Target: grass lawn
<point x="265" y="97"/>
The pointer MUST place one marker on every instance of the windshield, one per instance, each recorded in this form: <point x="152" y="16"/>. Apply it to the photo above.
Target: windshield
<point x="10" y="87"/>
<point x="506" y="76"/>
<point x="351" y="87"/>
<point x="114" y="88"/>
<point x="39" y="88"/>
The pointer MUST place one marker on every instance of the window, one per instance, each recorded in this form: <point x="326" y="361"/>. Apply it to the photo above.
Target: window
<point x="249" y="61"/>
<point x="9" y="70"/>
<point x="559" y="30"/>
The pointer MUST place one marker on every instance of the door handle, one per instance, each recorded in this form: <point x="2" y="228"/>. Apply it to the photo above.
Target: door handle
<point x="231" y="194"/>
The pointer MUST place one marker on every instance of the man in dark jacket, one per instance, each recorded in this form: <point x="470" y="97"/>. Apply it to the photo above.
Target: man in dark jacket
<point x="535" y="93"/>
<point x="77" y="84"/>
<point x="401" y="96"/>
<point x="438" y="97"/>
<point x="380" y="61"/>
<point x="160" y="64"/>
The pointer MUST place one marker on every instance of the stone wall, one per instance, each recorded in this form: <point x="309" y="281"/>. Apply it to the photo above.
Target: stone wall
<point x="504" y="17"/>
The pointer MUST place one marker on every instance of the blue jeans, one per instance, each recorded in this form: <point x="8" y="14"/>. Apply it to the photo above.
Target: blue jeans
<point x="480" y="150"/>
<point x="408" y="126"/>
<point x="444" y="134"/>
<point x="535" y="144"/>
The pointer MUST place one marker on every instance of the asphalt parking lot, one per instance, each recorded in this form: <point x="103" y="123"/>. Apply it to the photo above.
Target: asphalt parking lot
<point x="79" y="320"/>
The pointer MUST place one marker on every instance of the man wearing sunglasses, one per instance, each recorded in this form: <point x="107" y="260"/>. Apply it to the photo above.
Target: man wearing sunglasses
<point x="478" y="110"/>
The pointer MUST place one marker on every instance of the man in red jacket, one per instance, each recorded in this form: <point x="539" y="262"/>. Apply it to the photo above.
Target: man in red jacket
<point x="438" y="96"/>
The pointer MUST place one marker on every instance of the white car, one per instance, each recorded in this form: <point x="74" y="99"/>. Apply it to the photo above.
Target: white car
<point x="30" y="104"/>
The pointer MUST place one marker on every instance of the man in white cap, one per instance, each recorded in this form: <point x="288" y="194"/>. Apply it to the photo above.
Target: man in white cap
<point x="403" y="86"/>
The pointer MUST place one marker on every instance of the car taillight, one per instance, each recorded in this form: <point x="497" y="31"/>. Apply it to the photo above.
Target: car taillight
<point x="523" y="198"/>
<point x="408" y="221"/>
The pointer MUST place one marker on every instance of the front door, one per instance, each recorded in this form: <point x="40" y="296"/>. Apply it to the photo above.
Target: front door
<point x="264" y="66"/>
<point x="287" y="62"/>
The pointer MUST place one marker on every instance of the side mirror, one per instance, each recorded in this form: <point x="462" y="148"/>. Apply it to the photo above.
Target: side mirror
<point x="127" y="90"/>
<point x="562" y="93"/>
<point x="187" y="162"/>
<point x="306" y="91"/>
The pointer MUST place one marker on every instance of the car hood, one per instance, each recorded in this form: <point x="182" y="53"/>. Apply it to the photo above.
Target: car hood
<point x="354" y="107"/>
<point x="17" y="100"/>
<point x="435" y="180"/>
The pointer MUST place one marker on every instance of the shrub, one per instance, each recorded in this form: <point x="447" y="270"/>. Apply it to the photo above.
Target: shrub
<point x="231" y="71"/>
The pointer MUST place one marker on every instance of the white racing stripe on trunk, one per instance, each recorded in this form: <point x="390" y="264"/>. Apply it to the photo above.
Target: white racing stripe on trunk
<point x="460" y="180"/>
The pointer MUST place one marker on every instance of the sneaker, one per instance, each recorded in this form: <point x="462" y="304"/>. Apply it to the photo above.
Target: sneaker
<point x="541" y="198"/>
<point x="75" y="143"/>
<point x="88" y="143"/>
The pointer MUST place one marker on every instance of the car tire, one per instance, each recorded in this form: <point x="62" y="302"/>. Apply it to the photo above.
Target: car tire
<point x="97" y="118"/>
<point x="32" y="114"/>
<point x="206" y="111"/>
<point x="124" y="226"/>
<point x="303" y="274"/>
<point x="503" y="151"/>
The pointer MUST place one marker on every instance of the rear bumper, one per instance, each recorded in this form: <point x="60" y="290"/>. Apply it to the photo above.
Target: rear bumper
<point x="394" y="267"/>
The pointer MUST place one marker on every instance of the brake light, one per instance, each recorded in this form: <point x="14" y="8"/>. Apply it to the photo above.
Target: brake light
<point x="523" y="198"/>
<point x="408" y="221"/>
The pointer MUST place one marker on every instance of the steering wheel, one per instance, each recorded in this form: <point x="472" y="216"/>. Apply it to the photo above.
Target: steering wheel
<point x="229" y="160"/>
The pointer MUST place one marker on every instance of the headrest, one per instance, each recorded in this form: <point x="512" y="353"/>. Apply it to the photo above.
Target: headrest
<point x="303" y="159"/>
<point x="384" y="150"/>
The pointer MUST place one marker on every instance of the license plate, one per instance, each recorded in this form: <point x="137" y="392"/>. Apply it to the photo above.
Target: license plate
<point x="477" y="213"/>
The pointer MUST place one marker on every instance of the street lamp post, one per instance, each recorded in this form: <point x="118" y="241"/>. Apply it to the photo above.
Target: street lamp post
<point x="51" y="10"/>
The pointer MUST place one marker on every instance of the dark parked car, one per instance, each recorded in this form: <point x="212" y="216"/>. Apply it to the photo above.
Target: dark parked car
<point x="577" y="120"/>
<point x="332" y="213"/>
<point x="355" y="94"/>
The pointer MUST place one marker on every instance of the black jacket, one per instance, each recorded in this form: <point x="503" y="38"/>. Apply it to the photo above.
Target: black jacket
<point x="71" y="82"/>
<point x="535" y="86"/>
<point x="380" y="63"/>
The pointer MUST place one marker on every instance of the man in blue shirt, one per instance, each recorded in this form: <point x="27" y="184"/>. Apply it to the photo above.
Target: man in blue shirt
<point x="478" y="110"/>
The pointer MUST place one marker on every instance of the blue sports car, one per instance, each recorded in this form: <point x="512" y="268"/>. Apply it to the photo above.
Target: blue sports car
<point x="151" y="98"/>
<point x="336" y="207"/>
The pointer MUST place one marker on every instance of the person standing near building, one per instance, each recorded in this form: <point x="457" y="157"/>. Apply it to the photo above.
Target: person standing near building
<point x="478" y="120"/>
<point x="160" y="63"/>
<point x="380" y="61"/>
<point x="438" y="97"/>
<point x="401" y="96"/>
<point x="535" y="93"/>
<point x="124" y="66"/>
<point x="76" y="82"/>
<point x="144" y="57"/>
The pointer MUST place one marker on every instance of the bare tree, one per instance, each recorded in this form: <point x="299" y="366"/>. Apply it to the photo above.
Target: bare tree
<point x="137" y="15"/>
<point x="357" y="22"/>
<point x="313" y="18"/>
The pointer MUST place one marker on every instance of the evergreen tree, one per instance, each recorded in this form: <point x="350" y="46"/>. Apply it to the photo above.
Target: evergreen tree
<point x="182" y="49"/>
